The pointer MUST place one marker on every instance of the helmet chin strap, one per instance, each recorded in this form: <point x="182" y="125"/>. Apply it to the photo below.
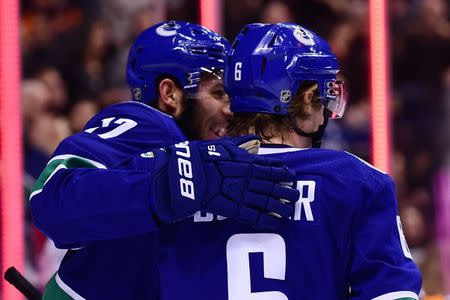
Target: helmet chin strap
<point x="316" y="136"/>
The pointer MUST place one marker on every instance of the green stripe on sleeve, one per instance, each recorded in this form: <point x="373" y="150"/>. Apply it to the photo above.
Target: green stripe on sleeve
<point x="54" y="292"/>
<point x="67" y="161"/>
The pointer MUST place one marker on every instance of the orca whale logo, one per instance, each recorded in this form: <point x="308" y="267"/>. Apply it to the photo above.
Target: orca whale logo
<point x="168" y="29"/>
<point x="304" y="36"/>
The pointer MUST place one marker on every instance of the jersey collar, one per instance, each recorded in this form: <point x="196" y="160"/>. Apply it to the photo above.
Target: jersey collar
<point x="277" y="148"/>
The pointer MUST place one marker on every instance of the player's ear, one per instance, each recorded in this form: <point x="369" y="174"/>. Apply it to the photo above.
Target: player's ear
<point x="308" y="97"/>
<point x="170" y="97"/>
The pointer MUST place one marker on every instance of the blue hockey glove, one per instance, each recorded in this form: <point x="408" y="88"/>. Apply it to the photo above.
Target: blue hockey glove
<point x="220" y="178"/>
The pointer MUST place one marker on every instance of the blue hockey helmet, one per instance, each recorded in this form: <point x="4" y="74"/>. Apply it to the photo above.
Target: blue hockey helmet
<point x="175" y="49"/>
<point x="268" y="62"/>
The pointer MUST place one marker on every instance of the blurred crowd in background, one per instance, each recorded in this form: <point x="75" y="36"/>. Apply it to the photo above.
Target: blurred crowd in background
<point x="73" y="64"/>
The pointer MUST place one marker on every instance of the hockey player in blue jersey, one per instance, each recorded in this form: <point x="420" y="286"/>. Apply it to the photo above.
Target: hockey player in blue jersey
<point x="344" y="239"/>
<point x="104" y="200"/>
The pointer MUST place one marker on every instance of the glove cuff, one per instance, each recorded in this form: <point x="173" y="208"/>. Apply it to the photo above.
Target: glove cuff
<point x="173" y="182"/>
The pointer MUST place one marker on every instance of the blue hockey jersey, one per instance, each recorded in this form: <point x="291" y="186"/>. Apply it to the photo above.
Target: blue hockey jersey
<point x="88" y="200"/>
<point x="344" y="241"/>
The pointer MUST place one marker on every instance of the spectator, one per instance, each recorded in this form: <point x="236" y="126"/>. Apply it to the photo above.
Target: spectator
<point x="276" y="12"/>
<point x="81" y="112"/>
<point x="58" y="94"/>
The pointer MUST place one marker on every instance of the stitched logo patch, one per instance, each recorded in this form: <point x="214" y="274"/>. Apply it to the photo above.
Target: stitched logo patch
<point x="285" y="96"/>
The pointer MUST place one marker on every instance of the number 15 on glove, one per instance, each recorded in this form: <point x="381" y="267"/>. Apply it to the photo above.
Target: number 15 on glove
<point x="221" y="178"/>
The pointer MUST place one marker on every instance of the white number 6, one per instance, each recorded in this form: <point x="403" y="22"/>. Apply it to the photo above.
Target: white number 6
<point x="237" y="71"/>
<point x="239" y="246"/>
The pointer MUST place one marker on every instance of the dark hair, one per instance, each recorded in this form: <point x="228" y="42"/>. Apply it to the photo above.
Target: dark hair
<point x="269" y="125"/>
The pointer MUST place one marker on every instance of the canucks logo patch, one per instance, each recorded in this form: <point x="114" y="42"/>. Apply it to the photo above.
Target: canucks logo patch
<point x="304" y="36"/>
<point x="168" y="29"/>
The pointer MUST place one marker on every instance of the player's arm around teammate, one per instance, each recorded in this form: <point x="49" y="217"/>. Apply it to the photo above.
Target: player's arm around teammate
<point x="174" y="73"/>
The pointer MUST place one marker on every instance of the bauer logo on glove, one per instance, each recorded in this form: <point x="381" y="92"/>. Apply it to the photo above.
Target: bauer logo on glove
<point x="220" y="178"/>
<point x="185" y="170"/>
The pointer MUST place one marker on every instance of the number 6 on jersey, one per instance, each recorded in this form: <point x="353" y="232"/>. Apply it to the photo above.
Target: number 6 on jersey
<point x="237" y="71"/>
<point x="239" y="246"/>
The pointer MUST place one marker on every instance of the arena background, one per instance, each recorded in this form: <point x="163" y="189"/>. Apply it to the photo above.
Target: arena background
<point x="61" y="61"/>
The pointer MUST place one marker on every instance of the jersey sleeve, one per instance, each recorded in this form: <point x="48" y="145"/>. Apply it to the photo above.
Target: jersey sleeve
<point x="88" y="192"/>
<point x="78" y="201"/>
<point x="382" y="266"/>
<point x="131" y="127"/>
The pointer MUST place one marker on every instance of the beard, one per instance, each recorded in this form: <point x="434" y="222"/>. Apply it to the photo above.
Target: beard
<point x="186" y="121"/>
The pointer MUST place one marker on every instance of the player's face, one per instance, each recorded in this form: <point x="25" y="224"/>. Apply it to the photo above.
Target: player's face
<point x="211" y="111"/>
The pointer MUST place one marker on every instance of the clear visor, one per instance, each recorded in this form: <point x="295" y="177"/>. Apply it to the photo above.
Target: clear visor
<point x="334" y="98"/>
<point x="217" y="72"/>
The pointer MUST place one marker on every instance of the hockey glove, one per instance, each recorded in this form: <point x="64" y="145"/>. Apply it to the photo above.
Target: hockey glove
<point x="220" y="178"/>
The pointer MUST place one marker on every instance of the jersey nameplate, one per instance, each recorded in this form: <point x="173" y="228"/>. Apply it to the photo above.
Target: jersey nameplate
<point x="303" y="207"/>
